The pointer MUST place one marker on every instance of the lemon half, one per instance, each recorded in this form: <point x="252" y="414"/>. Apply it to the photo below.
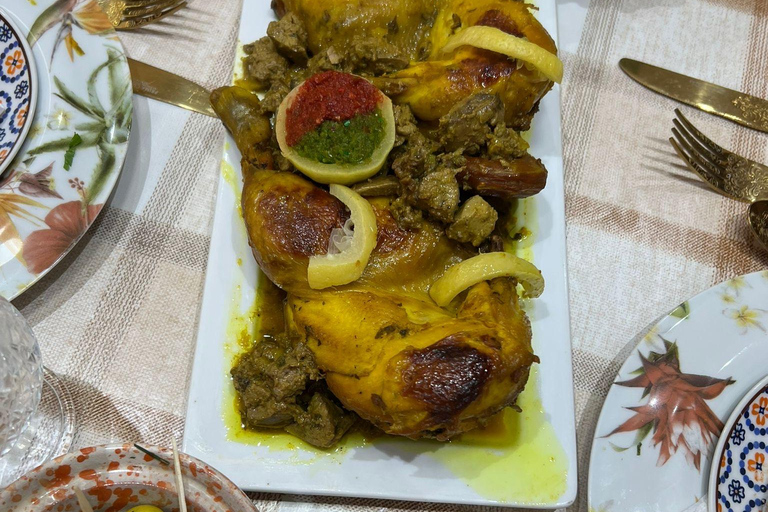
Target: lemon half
<point x="344" y="174"/>
<point x="348" y="265"/>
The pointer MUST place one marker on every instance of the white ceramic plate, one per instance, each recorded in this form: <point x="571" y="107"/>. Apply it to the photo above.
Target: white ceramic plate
<point x="663" y="415"/>
<point x="540" y="473"/>
<point x="84" y="88"/>
<point x="739" y="483"/>
<point x="18" y="89"/>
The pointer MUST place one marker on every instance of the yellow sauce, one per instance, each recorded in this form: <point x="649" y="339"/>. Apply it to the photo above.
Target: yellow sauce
<point x="520" y="225"/>
<point x="264" y="318"/>
<point x="229" y="176"/>
<point x="516" y="457"/>
<point x="238" y="72"/>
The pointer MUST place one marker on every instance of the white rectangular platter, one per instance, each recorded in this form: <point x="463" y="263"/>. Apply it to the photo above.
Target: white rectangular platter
<point x="535" y="467"/>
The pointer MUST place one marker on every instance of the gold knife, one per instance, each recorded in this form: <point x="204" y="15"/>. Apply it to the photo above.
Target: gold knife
<point x="738" y="107"/>
<point x="161" y="85"/>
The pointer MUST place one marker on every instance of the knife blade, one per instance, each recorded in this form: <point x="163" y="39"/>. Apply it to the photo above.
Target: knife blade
<point x="735" y="106"/>
<point x="163" y="86"/>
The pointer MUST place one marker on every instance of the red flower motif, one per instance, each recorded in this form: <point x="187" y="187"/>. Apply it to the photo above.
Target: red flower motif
<point x="759" y="411"/>
<point x="676" y="409"/>
<point x="67" y="222"/>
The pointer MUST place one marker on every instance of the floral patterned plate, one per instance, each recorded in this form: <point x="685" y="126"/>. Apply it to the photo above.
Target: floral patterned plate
<point x="84" y="89"/>
<point x="118" y="477"/>
<point x="740" y="482"/>
<point x="664" y="413"/>
<point x="18" y="89"/>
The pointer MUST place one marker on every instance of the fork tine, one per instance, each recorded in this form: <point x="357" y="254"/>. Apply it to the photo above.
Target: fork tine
<point x="713" y="181"/>
<point x="708" y="166"/>
<point x="711" y="146"/>
<point x="141" y="11"/>
<point x="132" y="4"/>
<point x="698" y="147"/>
<point x="704" y="164"/>
<point x="140" y="21"/>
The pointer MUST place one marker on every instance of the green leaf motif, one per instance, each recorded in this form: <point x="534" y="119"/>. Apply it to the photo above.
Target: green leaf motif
<point x="88" y="140"/>
<point x="93" y="97"/>
<point x="70" y="97"/>
<point x="102" y="171"/>
<point x="94" y="126"/>
<point x="49" y="18"/>
<point x="640" y="435"/>
<point x="682" y="311"/>
<point x="109" y="125"/>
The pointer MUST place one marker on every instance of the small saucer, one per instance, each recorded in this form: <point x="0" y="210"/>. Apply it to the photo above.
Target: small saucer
<point x="738" y="479"/>
<point x="18" y="89"/>
<point x="119" y="476"/>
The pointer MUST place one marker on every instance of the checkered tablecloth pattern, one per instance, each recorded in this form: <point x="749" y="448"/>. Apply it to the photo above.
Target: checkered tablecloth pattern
<point x="117" y="318"/>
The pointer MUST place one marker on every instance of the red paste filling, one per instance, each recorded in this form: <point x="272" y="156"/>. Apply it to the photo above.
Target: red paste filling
<point x="328" y="96"/>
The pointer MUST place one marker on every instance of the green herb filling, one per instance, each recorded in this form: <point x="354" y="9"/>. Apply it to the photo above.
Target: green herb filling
<point x="343" y="142"/>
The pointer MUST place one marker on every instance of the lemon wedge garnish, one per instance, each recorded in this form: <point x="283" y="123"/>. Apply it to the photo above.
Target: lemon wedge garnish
<point x="484" y="267"/>
<point x="495" y="40"/>
<point x="355" y="247"/>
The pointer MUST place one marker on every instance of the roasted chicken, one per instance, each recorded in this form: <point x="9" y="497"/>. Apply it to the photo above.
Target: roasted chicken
<point x="387" y="351"/>
<point x="413" y="33"/>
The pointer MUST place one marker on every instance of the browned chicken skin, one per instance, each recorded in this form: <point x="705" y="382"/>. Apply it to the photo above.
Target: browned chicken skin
<point x="433" y="83"/>
<point x="386" y="350"/>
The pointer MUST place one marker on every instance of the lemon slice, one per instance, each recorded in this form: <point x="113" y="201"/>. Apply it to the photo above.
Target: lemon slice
<point x="145" y="508"/>
<point x="483" y="268"/>
<point x="349" y="264"/>
<point x="342" y="173"/>
<point x="495" y="40"/>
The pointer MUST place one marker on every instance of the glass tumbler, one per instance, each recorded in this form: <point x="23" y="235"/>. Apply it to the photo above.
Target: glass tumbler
<point x="21" y="379"/>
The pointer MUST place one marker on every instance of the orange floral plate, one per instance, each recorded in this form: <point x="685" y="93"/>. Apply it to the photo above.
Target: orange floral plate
<point x="665" y="411"/>
<point x="18" y="89"/>
<point x="117" y="477"/>
<point x="46" y="202"/>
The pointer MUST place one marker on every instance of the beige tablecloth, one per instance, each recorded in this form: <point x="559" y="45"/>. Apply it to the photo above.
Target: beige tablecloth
<point x="117" y="318"/>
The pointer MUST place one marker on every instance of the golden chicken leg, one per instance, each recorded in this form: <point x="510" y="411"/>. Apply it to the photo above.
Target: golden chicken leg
<point x="434" y="83"/>
<point x="387" y="351"/>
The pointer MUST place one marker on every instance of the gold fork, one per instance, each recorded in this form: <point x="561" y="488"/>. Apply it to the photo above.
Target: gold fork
<point x="131" y="14"/>
<point x="727" y="173"/>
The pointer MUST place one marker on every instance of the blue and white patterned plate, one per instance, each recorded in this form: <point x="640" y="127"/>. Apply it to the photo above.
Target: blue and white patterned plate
<point x="18" y="89"/>
<point x="739" y="482"/>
